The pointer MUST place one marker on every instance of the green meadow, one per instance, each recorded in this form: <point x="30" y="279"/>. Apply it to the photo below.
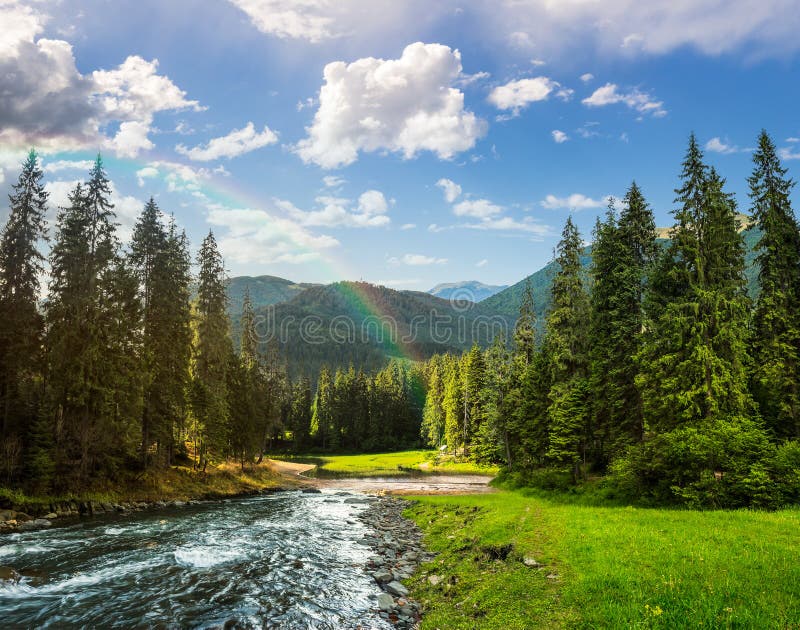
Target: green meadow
<point x="604" y="567"/>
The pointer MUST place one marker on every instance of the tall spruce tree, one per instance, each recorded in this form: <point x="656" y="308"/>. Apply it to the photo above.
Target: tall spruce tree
<point x="21" y="325"/>
<point x="82" y="327"/>
<point x="567" y="347"/>
<point x="776" y="320"/>
<point x="212" y="353"/>
<point x="623" y="250"/>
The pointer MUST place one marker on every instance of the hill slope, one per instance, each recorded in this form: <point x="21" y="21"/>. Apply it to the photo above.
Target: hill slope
<point x="365" y="325"/>
<point x="507" y="302"/>
<point x="471" y="290"/>
<point x="264" y="290"/>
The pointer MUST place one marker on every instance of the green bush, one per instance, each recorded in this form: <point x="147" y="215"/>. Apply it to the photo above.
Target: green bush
<point x="719" y="464"/>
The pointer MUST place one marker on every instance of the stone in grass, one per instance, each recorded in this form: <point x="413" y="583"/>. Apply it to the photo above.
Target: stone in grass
<point x="385" y="602"/>
<point x="530" y="561"/>
<point x="434" y="580"/>
<point x="395" y="588"/>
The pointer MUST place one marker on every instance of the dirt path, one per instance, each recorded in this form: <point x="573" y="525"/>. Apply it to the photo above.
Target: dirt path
<point x="411" y="484"/>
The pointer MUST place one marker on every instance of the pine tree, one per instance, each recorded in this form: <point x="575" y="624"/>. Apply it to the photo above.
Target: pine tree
<point x="492" y="439"/>
<point x="776" y="320"/>
<point x="322" y="420"/>
<point x="212" y="353"/>
<point x="21" y="325"/>
<point x="147" y="255"/>
<point x="432" y="427"/>
<point x="567" y="347"/>
<point x="453" y="405"/>
<point x="622" y="254"/>
<point x="82" y="327"/>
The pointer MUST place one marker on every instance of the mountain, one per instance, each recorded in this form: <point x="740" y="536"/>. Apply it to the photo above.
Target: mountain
<point x="366" y="325"/>
<point x="508" y="301"/>
<point x="471" y="290"/>
<point x="264" y="291"/>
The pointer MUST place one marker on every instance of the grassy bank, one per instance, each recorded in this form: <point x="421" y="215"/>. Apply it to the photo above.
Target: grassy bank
<point x="176" y="483"/>
<point x="605" y="566"/>
<point x="390" y="464"/>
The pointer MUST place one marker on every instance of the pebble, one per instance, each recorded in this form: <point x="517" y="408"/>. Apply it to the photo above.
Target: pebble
<point x="397" y="547"/>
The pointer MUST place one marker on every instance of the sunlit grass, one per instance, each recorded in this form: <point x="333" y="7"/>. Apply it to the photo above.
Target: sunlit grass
<point x="607" y="567"/>
<point x="392" y="464"/>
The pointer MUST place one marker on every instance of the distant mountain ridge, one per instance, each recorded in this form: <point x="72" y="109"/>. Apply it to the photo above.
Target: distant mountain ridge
<point x="471" y="290"/>
<point x="264" y="291"/>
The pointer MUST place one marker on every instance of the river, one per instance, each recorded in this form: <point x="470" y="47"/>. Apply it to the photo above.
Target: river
<point x="286" y="560"/>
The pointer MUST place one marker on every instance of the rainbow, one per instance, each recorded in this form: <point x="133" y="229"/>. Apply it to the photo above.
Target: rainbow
<point x="216" y="189"/>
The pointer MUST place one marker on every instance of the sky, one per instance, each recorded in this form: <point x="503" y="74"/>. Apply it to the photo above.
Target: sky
<point x="402" y="143"/>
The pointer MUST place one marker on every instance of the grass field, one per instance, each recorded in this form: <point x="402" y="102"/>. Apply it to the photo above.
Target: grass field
<point x="605" y="567"/>
<point x="391" y="464"/>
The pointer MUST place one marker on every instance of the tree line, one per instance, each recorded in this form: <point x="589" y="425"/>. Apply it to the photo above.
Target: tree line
<point x="126" y="362"/>
<point x="659" y="370"/>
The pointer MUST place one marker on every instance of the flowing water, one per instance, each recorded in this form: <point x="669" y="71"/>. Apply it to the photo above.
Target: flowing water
<point x="286" y="560"/>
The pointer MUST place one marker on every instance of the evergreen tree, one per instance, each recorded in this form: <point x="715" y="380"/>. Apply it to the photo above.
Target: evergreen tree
<point x="212" y="353"/>
<point x="84" y="293"/>
<point x="622" y="253"/>
<point x="322" y="420"/>
<point x="433" y="415"/>
<point x="21" y="325"/>
<point x="776" y="320"/>
<point x="567" y="348"/>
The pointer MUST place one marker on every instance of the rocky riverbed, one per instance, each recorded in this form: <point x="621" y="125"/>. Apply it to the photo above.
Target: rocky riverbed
<point x="398" y="549"/>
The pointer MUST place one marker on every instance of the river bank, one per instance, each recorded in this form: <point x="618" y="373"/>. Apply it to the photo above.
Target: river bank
<point x="172" y="487"/>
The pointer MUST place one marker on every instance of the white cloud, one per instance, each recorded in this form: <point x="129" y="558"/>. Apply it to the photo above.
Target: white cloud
<point x="417" y="260"/>
<point x="482" y="263"/>
<point x="332" y="181"/>
<point x="788" y="153"/>
<point x="516" y="95"/>
<point x="237" y="142"/>
<point x="587" y="77"/>
<point x="559" y="136"/>
<point x="451" y="190"/>
<point x="538" y="62"/>
<point x="656" y="27"/>
<point x="145" y="173"/>
<point x="478" y="208"/>
<point x="575" y="201"/>
<point x="372" y="202"/>
<point x="408" y="226"/>
<point x="132" y="138"/>
<point x="297" y="19"/>
<point x="68" y="165"/>
<point x="338" y="212"/>
<point x="45" y="101"/>
<point x="640" y="101"/>
<point x="717" y="145"/>
<point x="404" y="105"/>
<point x="509" y="224"/>
<point x="792" y="140"/>
<point x="256" y="236"/>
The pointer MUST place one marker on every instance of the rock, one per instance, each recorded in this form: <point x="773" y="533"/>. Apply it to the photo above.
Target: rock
<point x="7" y="515"/>
<point x="385" y="602"/>
<point x="357" y="500"/>
<point x="382" y="576"/>
<point x="51" y="516"/>
<point x="530" y="561"/>
<point x="434" y="580"/>
<point x="552" y="576"/>
<point x="395" y="588"/>
<point x="21" y="517"/>
<point x="9" y="574"/>
<point x="311" y="491"/>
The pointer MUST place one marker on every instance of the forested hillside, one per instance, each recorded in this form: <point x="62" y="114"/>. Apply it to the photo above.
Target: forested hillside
<point x="508" y="301"/>
<point x="263" y="290"/>
<point x="360" y="324"/>
<point x="468" y="290"/>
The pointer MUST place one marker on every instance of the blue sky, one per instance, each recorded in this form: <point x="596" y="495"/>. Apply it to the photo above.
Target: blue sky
<point x="405" y="143"/>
